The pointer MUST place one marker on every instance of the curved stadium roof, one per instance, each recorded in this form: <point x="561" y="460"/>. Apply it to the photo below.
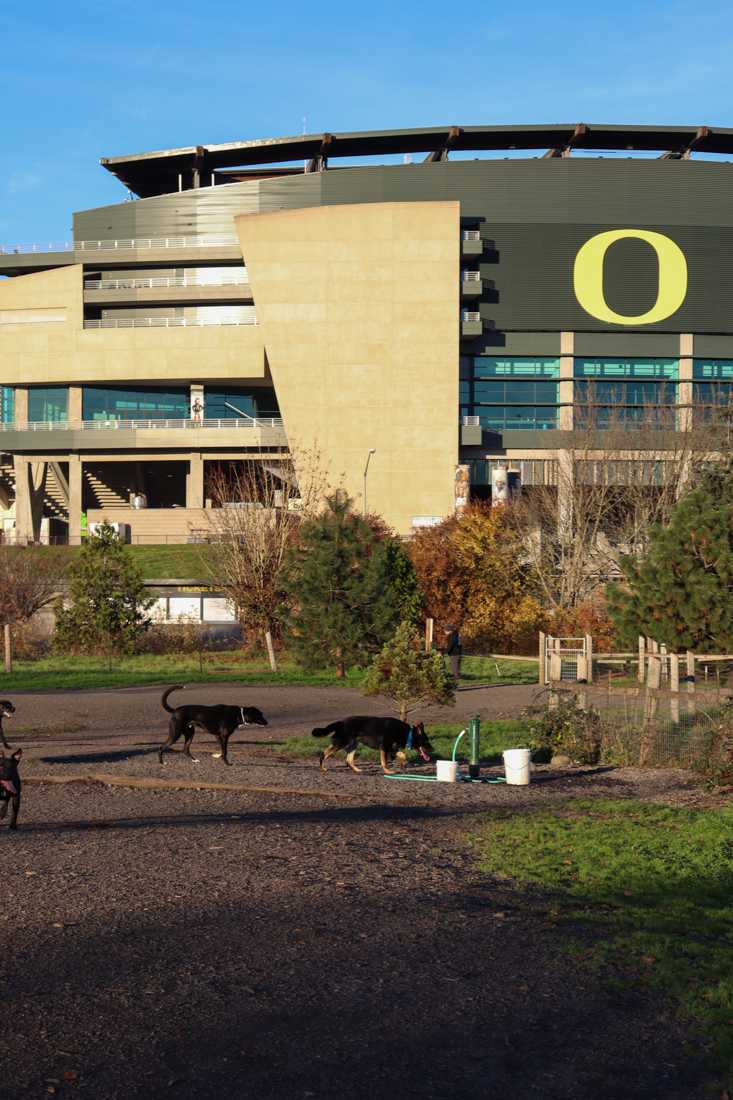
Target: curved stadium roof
<point x="157" y="173"/>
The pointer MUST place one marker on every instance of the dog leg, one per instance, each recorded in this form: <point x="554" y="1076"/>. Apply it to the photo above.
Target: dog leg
<point x="6" y="743"/>
<point x="173" y="734"/>
<point x="224" y="742"/>
<point x="323" y="757"/>
<point x="385" y="763"/>
<point x="188" y="738"/>
<point x="14" y="812"/>
<point x="350" y="761"/>
<point x="4" y="808"/>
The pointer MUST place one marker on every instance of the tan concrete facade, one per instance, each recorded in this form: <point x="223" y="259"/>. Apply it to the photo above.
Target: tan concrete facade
<point x="358" y="308"/>
<point x="62" y="352"/>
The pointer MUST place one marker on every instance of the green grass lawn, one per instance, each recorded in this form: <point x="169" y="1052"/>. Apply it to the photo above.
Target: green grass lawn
<point x="179" y="561"/>
<point x="491" y="670"/>
<point x="496" y="736"/>
<point x="57" y="671"/>
<point x="651" y="887"/>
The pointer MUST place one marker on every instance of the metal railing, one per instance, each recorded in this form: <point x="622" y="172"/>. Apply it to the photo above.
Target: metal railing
<point x="141" y="424"/>
<point x="472" y="276"/>
<point x="469" y="315"/>
<point x="471" y="235"/>
<point x="240" y="279"/>
<point x="125" y="243"/>
<point x="168" y="322"/>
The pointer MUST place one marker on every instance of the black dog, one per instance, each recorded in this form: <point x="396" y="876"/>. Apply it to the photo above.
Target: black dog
<point x="10" y="786"/>
<point x="389" y="735"/>
<point x="6" y="709"/>
<point x="220" y="721"/>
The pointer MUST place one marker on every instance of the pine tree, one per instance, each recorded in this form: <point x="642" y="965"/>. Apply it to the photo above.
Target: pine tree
<point x="681" y="592"/>
<point x="107" y="601"/>
<point x="347" y="588"/>
<point x="408" y="676"/>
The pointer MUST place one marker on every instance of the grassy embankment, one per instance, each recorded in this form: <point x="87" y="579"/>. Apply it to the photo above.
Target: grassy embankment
<point x="646" y="890"/>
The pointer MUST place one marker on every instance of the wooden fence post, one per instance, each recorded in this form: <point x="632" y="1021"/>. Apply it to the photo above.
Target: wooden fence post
<point x="641" y="676"/>
<point x="654" y="666"/>
<point x="589" y="658"/>
<point x="543" y="641"/>
<point x="429" y="625"/>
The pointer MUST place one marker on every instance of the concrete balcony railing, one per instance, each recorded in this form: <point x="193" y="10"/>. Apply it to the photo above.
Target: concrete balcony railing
<point x="163" y="432"/>
<point x="169" y="322"/>
<point x="166" y="281"/>
<point x="122" y="244"/>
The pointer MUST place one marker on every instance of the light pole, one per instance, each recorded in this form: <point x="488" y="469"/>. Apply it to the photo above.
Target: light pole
<point x="372" y="451"/>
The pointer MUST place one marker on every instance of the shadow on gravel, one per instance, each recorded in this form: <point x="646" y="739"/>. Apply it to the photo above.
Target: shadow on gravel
<point x="112" y="756"/>
<point x="337" y="815"/>
<point x="404" y="993"/>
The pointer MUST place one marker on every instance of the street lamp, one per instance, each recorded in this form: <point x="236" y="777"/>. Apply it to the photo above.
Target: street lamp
<point x="372" y="451"/>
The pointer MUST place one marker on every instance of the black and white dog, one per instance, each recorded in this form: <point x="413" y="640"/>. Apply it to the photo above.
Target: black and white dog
<point x="10" y="786"/>
<point x="389" y="736"/>
<point x="6" y="710"/>
<point x="220" y="721"/>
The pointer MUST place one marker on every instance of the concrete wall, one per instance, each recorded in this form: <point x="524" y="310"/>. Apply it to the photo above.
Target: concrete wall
<point x="358" y="308"/>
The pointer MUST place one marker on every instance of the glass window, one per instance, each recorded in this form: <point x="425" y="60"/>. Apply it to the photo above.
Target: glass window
<point x="239" y="404"/>
<point x="713" y="368"/>
<point x="507" y="418"/>
<point x="625" y="416"/>
<point x="7" y="404"/>
<point x="48" y="403"/>
<point x="712" y="393"/>
<point x="147" y="403"/>
<point x="625" y="393"/>
<point x="493" y="366"/>
<point x="626" y="368"/>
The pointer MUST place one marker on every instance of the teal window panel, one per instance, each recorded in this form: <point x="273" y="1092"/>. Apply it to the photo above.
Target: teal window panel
<point x="48" y="403"/>
<point x="494" y="366"/>
<point x="626" y="368"/>
<point x="605" y="417"/>
<point x="143" y="403"/>
<point x="712" y="393"/>
<point x="507" y="417"/>
<point x="630" y="392"/>
<point x="516" y="392"/>
<point x="713" y="368"/>
<point x="231" y="404"/>
<point x="7" y="404"/>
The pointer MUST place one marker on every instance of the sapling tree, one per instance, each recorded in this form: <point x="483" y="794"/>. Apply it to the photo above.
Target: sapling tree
<point x="107" y="604"/>
<point x="408" y="676"/>
<point x="29" y="580"/>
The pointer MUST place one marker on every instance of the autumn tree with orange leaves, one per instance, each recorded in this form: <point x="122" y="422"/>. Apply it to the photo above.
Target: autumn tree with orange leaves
<point x="474" y="577"/>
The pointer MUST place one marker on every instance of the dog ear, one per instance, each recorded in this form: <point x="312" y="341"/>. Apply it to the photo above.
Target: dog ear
<point x="17" y="754"/>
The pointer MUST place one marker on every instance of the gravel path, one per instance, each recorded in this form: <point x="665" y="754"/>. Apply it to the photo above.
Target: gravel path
<point x="225" y="945"/>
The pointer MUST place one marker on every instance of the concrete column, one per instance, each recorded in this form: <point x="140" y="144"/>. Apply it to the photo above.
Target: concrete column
<point x="21" y="407"/>
<point x="75" y="499"/>
<point x="567" y="350"/>
<point x="74" y="407"/>
<point x="195" y="481"/>
<point x="23" y="516"/>
<point x="684" y="388"/>
<point x="38" y="474"/>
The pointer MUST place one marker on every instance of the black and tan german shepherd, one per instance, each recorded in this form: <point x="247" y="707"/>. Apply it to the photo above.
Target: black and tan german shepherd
<point x="10" y="786"/>
<point x="220" y="721"/>
<point x="389" y="736"/>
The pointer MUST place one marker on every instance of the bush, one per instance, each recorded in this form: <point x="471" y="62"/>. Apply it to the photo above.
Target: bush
<point x="714" y="756"/>
<point x="568" y="729"/>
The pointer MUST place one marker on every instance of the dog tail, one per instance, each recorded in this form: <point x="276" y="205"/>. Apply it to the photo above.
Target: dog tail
<point x="167" y="692"/>
<point x="325" y="731"/>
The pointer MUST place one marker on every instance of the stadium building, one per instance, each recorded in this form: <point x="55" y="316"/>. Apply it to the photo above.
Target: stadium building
<point x="442" y="302"/>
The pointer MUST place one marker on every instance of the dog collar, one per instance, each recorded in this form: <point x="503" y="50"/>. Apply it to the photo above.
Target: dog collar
<point x="244" y="720"/>
<point x="408" y="745"/>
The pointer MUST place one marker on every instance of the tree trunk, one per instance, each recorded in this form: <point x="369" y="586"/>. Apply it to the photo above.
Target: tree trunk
<point x="8" y="639"/>
<point x="270" y="650"/>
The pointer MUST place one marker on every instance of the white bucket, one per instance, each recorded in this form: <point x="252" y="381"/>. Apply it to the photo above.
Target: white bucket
<point x="516" y="767"/>
<point x="446" y="771"/>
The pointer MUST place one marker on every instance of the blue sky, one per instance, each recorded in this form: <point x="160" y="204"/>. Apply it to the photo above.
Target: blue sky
<point x="88" y="78"/>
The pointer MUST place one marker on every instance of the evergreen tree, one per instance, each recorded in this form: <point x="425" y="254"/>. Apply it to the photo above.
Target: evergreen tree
<point x="107" y="601"/>
<point x="408" y="676"/>
<point x="347" y="588"/>
<point x="681" y="592"/>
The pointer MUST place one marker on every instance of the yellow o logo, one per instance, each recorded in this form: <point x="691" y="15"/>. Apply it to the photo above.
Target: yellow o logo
<point x="588" y="277"/>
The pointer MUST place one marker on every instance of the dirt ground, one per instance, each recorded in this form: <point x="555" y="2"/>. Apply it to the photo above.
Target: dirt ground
<point x="231" y="944"/>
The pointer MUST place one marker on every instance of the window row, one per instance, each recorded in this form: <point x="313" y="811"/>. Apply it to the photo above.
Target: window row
<point x="49" y="404"/>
